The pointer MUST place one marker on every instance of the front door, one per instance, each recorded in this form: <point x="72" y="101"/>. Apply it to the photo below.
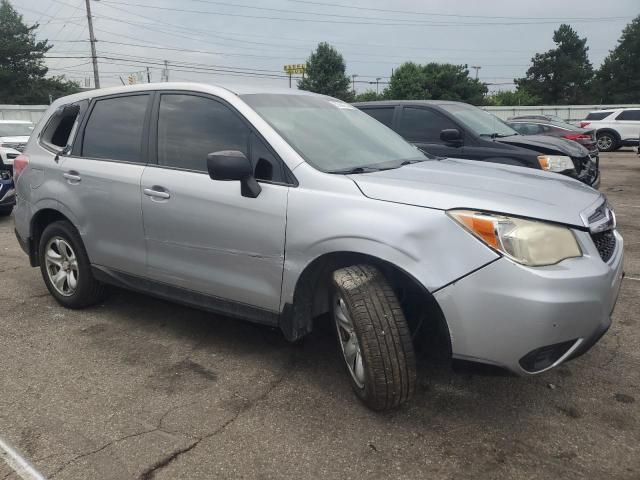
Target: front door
<point x="202" y="235"/>
<point x="422" y="126"/>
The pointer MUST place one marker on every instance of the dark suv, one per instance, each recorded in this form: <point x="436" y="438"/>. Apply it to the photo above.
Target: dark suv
<point x="460" y="130"/>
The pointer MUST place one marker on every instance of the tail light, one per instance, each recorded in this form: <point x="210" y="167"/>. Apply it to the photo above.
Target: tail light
<point x="578" y="136"/>
<point x="584" y="124"/>
<point x="19" y="164"/>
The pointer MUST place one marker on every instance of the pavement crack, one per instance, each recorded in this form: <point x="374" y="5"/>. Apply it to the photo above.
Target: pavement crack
<point x="150" y="472"/>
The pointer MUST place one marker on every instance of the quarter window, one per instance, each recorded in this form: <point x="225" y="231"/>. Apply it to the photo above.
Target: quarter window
<point x="114" y="129"/>
<point x="597" y="115"/>
<point x="421" y="124"/>
<point x="59" y="130"/>
<point x="630" y="115"/>
<point x="190" y="127"/>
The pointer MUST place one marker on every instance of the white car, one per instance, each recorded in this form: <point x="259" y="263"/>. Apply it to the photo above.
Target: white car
<point x="615" y="128"/>
<point x="15" y="133"/>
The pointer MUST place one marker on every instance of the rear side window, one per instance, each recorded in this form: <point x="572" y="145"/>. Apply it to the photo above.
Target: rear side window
<point x="190" y="127"/>
<point x="421" y="124"/>
<point x="629" y="115"/>
<point x="61" y="127"/>
<point x="597" y="115"/>
<point x="114" y="129"/>
<point x="383" y="115"/>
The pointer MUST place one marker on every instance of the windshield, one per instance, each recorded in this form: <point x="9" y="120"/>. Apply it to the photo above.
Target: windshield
<point x="15" y="129"/>
<point x="331" y="135"/>
<point x="478" y="121"/>
<point x="563" y="124"/>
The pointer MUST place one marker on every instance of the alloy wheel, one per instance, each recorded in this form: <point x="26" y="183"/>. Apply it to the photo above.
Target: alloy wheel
<point x="62" y="266"/>
<point x="348" y="340"/>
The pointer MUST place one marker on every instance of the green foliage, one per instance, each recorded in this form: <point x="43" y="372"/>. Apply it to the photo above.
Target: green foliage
<point x="618" y="80"/>
<point x="562" y="75"/>
<point x="22" y="69"/>
<point x="509" y="98"/>
<point x="435" y="81"/>
<point x="368" y="96"/>
<point x="326" y="74"/>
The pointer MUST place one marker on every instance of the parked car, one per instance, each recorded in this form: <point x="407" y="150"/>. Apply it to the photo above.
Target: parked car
<point x="15" y="133"/>
<point x="7" y="156"/>
<point x="584" y="136"/>
<point x="615" y="128"/>
<point x="459" y="130"/>
<point x="281" y="206"/>
<point x="548" y="118"/>
<point x="7" y="194"/>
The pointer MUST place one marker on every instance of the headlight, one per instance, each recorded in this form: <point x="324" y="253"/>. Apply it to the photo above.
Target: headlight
<point x="528" y="242"/>
<point x="555" y="163"/>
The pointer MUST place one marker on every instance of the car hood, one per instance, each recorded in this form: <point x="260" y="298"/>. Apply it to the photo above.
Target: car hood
<point x="452" y="183"/>
<point x="546" y="144"/>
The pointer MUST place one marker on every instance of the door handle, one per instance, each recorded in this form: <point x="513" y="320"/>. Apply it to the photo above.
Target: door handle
<point x="72" y="176"/>
<point x="150" y="192"/>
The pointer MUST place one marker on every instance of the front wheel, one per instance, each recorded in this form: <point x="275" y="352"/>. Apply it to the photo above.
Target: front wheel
<point x="373" y="336"/>
<point x="607" y="142"/>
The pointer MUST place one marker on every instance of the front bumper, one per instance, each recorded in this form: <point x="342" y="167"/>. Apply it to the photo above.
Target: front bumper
<point x="529" y="320"/>
<point x="7" y="193"/>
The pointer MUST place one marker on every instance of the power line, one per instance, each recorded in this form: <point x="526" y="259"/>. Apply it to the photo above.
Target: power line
<point x="432" y="14"/>
<point x="396" y="22"/>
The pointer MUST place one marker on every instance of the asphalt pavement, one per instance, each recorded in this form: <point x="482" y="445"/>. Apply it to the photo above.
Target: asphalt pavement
<point x="139" y="388"/>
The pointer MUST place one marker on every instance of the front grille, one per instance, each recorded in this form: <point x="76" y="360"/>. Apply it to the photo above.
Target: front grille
<point x="605" y="242"/>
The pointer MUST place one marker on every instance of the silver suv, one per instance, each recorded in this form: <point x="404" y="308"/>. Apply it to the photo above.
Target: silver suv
<point x="280" y="206"/>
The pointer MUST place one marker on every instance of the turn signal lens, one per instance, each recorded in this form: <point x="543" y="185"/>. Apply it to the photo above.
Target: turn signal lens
<point x="528" y="242"/>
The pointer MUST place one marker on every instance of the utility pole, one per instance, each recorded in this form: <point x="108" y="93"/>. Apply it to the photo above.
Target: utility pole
<point x="92" y="39"/>
<point x="476" y="68"/>
<point x="353" y="82"/>
<point x="377" y="83"/>
<point x="165" y="72"/>
<point x="148" y="75"/>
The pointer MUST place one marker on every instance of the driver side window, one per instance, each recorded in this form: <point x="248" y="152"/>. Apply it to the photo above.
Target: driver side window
<point x="423" y="125"/>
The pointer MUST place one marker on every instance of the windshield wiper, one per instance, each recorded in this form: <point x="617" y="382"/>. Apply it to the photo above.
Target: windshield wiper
<point x="348" y="171"/>
<point x="497" y="135"/>
<point x="418" y="160"/>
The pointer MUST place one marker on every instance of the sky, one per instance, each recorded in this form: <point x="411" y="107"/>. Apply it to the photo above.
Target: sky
<point x="249" y="41"/>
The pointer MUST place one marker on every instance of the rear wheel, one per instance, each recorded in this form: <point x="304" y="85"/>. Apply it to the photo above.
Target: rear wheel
<point x="607" y="142"/>
<point x="373" y="336"/>
<point x="65" y="267"/>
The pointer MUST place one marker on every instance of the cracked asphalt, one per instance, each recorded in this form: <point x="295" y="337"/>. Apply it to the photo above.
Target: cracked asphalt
<point x="138" y="388"/>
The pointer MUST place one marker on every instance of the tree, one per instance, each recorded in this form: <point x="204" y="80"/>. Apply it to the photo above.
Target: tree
<point x="436" y="81"/>
<point x="509" y="98"/>
<point x="618" y="80"/>
<point x="326" y="73"/>
<point x="368" y="96"/>
<point x="22" y="69"/>
<point x="562" y="75"/>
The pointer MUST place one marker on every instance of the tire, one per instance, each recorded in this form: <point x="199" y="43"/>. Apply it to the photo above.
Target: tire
<point x="373" y="337"/>
<point x="72" y="263"/>
<point x="5" y="212"/>
<point x="607" y="142"/>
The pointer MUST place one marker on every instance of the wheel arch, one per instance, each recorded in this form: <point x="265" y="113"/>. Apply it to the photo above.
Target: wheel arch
<point x="311" y="296"/>
<point x="40" y="220"/>
<point x="609" y="130"/>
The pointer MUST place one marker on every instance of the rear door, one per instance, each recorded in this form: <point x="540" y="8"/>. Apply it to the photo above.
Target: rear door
<point x="628" y="124"/>
<point x="422" y="126"/>
<point x="100" y="181"/>
<point x="203" y="235"/>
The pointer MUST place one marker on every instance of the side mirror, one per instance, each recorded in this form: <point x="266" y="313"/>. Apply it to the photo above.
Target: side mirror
<point x="233" y="165"/>
<point x="451" y="135"/>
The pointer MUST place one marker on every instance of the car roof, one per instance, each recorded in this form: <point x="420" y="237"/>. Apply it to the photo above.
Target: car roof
<point x="391" y="103"/>
<point x="192" y="86"/>
<point x="17" y="121"/>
